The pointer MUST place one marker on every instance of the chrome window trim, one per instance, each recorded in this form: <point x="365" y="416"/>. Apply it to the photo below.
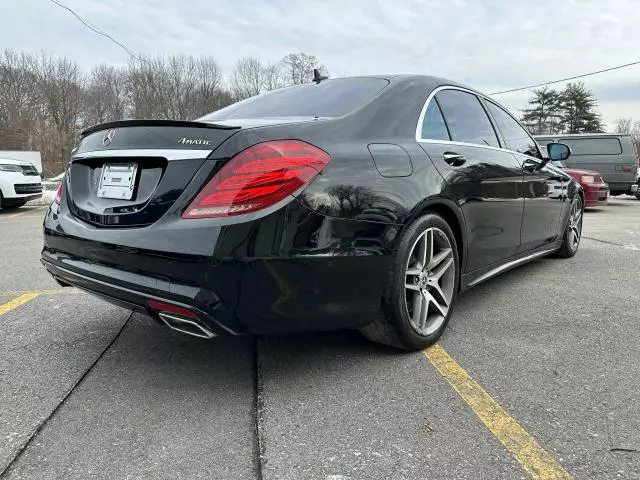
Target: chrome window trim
<point x="169" y="154"/>
<point x="481" y="96"/>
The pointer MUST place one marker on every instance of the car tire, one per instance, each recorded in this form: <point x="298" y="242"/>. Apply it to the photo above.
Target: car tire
<point x="573" y="230"/>
<point x="422" y="286"/>
<point x="1" y="200"/>
<point x="638" y="196"/>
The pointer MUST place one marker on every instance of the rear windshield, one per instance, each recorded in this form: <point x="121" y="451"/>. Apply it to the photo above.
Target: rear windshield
<point x="593" y="146"/>
<point x="329" y="98"/>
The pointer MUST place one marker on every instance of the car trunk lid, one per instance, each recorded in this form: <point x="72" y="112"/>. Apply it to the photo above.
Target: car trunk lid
<point x="129" y="173"/>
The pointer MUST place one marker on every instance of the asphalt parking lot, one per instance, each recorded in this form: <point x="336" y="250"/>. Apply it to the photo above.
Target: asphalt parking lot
<point x="538" y="375"/>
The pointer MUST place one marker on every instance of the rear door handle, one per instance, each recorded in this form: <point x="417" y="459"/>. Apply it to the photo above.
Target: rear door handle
<point x="454" y="159"/>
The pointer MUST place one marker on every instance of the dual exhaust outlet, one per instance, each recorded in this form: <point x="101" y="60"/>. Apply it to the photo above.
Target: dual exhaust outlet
<point x="181" y="319"/>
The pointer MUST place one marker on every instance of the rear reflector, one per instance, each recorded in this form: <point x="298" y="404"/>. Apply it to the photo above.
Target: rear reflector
<point x="257" y="178"/>
<point x="170" y="308"/>
<point x="58" y="194"/>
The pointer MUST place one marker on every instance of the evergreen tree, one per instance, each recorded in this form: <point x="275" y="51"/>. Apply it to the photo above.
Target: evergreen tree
<point x="577" y="109"/>
<point x="542" y="116"/>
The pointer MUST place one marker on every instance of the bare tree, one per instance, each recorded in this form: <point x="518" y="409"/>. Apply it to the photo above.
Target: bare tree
<point x="252" y="77"/>
<point x="272" y="76"/>
<point x="623" y="125"/>
<point x="246" y="79"/>
<point x="177" y="87"/>
<point x="104" y="97"/>
<point x="298" y="68"/>
<point x="19" y="100"/>
<point x="210" y="95"/>
<point x="60" y="87"/>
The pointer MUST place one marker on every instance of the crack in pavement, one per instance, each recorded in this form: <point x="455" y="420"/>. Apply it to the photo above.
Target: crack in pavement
<point x="258" y="411"/>
<point x="76" y="384"/>
<point x="626" y="247"/>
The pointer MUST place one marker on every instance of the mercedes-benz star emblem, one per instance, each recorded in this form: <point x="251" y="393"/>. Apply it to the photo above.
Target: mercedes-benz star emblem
<point x="108" y="137"/>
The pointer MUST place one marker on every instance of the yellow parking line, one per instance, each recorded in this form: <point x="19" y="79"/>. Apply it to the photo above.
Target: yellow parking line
<point x="59" y="291"/>
<point x="16" y="302"/>
<point x="519" y="443"/>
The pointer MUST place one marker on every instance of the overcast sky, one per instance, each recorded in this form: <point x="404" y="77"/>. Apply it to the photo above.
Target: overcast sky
<point x="489" y="44"/>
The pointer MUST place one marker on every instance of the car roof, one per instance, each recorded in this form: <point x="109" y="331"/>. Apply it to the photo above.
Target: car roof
<point x="428" y="81"/>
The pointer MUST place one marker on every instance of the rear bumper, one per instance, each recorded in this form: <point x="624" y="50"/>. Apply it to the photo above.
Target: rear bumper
<point x="293" y="270"/>
<point x="122" y="288"/>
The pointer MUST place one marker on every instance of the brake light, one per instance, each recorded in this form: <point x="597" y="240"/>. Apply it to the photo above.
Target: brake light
<point x="58" y="194"/>
<point x="257" y="178"/>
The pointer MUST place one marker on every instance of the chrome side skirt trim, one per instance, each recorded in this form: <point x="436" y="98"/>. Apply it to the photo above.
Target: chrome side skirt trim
<point x="509" y="265"/>
<point x="169" y="154"/>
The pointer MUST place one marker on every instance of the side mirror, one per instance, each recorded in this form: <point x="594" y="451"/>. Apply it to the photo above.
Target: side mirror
<point x="558" y="151"/>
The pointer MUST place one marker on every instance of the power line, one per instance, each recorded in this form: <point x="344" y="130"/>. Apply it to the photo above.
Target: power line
<point x="97" y="30"/>
<point x="567" y="79"/>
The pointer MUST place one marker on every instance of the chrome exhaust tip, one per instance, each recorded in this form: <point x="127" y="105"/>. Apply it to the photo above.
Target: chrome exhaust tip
<point x="185" y="325"/>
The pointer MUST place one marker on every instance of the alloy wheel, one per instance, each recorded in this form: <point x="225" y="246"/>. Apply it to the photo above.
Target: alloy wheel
<point x="575" y="224"/>
<point x="430" y="280"/>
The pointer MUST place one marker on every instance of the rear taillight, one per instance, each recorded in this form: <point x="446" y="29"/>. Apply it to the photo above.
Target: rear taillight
<point x="257" y="178"/>
<point x="58" y="194"/>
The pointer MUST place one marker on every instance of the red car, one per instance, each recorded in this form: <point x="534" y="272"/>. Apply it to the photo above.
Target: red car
<point x="596" y="191"/>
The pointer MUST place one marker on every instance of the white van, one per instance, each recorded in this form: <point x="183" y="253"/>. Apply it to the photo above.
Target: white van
<point x="614" y="156"/>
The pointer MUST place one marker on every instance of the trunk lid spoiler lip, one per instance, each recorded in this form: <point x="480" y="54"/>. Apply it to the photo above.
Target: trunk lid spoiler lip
<point x="156" y="123"/>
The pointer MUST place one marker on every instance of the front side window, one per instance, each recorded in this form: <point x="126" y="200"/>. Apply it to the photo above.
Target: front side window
<point x="466" y="119"/>
<point x="433" y="126"/>
<point x="514" y="135"/>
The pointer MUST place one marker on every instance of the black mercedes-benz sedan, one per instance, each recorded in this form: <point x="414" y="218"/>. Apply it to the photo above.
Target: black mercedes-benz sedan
<point x="356" y="203"/>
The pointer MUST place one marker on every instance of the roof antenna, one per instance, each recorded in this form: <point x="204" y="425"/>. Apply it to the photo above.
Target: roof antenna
<point x="317" y="77"/>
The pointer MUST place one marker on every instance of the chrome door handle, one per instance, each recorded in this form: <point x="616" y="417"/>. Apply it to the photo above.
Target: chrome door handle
<point x="453" y="159"/>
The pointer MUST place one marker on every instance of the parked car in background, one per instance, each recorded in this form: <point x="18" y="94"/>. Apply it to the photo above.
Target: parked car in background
<point x="19" y="183"/>
<point x="613" y="156"/>
<point x="364" y="202"/>
<point x="596" y="190"/>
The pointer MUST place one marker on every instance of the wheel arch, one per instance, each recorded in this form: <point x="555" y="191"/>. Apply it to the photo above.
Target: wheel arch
<point x="452" y="214"/>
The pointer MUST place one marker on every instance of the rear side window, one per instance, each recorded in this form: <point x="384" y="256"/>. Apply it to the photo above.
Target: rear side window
<point x="514" y="135"/>
<point x="329" y="98"/>
<point x="593" y="146"/>
<point x="466" y="118"/>
<point x="433" y="126"/>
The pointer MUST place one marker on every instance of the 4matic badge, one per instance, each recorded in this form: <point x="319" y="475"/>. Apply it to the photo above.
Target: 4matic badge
<point x="194" y="141"/>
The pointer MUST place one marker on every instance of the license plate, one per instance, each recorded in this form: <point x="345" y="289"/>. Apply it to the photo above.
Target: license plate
<point x="118" y="181"/>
